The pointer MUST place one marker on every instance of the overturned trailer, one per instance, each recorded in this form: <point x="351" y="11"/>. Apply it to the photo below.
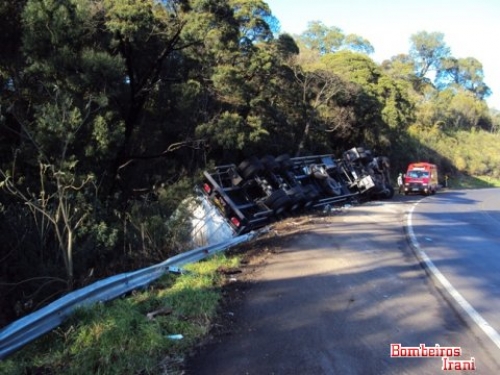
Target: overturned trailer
<point x="259" y="191"/>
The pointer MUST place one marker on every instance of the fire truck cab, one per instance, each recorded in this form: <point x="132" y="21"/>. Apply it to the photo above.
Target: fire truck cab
<point x="421" y="178"/>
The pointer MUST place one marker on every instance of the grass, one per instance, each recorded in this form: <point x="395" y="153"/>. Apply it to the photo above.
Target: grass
<point x="473" y="182"/>
<point x="120" y="338"/>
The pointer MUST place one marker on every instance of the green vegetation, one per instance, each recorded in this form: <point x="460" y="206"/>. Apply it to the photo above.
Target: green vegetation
<point x="110" y="110"/>
<point x="131" y="335"/>
<point x="469" y="182"/>
<point x="459" y="153"/>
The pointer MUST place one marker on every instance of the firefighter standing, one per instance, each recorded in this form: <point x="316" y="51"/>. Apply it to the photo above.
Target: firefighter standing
<point x="400" y="183"/>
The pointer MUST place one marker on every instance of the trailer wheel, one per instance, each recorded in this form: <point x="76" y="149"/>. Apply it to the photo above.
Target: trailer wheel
<point x="284" y="161"/>
<point x="389" y="192"/>
<point x="250" y="167"/>
<point x="270" y="163"/>
<point x="310" y="193"/>
<point x="331" y="186"/>
<point x="297" y="197"/>
<point x="278" y="201"/>
<point x="246" y="163"/>
<point x="367" y="156"/>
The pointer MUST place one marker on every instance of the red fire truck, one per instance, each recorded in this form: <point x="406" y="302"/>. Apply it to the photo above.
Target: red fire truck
<point x="421" y="178"/>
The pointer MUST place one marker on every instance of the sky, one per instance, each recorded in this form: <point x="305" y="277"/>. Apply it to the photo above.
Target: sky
<point x="471" y="28"/>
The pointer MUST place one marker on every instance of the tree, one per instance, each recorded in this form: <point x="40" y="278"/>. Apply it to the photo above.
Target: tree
<point x="466" y="73"/>
<point x="286" y="46"/>
<point x="495" y="121"/>
<point x="256" y="22"/>
<point x="147" y="36"/>
<point x="467" y="112"/>
<point x="320" y="38"/>
<point x="11" y="73"/>
<point x="452" y="109"/>
<point x="383" y="105"/>
<point x="241" y="79"/>
<point x="400" y="66"/>
<point x="323" y="39"/>
<point x="10" y="40"/>
<point x="357" y="43"/>
<point x="319" y="89"/>
<point x="67" y="58"/>
<point x="427" y="51"/>
<point x="59" y="197"/>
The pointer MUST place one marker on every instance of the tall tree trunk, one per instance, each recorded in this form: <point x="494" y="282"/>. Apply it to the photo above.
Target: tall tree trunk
<point x="303" y="141"/>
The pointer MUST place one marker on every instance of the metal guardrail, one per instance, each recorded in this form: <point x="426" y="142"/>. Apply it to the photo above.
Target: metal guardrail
<point x="34" y="325"/>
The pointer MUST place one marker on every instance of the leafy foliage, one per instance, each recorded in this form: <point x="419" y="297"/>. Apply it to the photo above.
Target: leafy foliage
<point x="324" y="39"/>
<point x="465" y="74"/>
<point x="428" y="50"/>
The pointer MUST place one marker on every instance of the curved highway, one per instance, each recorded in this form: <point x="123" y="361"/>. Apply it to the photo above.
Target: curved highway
<point x="457" y="235"/>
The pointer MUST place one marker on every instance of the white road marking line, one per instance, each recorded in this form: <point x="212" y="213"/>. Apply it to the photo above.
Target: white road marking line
<point x="473" y="314"/>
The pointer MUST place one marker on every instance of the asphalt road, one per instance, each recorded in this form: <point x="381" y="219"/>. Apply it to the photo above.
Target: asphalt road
<point x="460" y="234"/>
<point x="333" y="299"/>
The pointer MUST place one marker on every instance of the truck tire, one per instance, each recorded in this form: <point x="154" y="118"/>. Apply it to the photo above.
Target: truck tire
<point x="367" y="157"/>
<point x="245" y="163"/>
<point x="310" y="193"/>
<point x="361" y="152"/>
<point x="278" y="201"/>
<point x="250" y="167"/>
<point x="297" y="198"/>
<point x="270" y="163"/>
<point x="284" y="161"/>
<point x="331" y="186"/>
<point x="388" y="192"/>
